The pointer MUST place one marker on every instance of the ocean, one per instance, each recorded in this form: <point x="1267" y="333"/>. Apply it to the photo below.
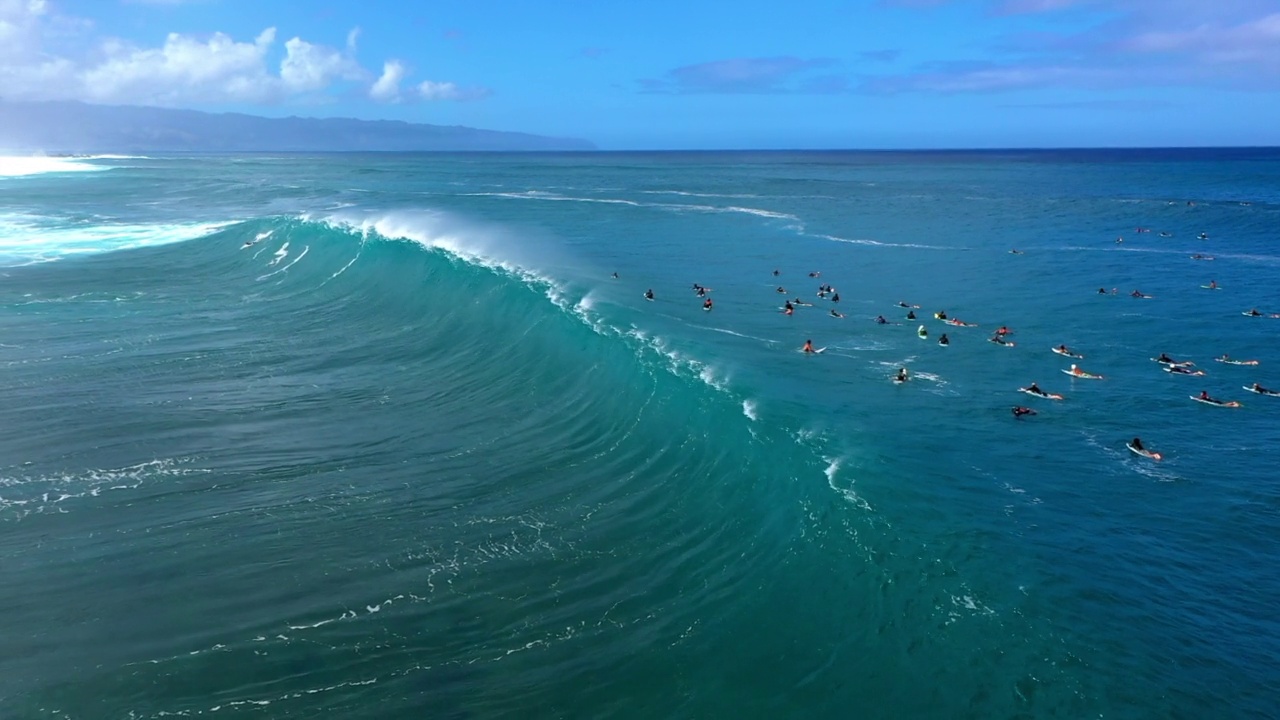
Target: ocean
<point x="383" y="436"/>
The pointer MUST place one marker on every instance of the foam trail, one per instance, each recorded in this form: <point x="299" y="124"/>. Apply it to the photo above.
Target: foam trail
<point x="301" y="255"/>
<point x="749" y="409"/>
<point x="34" y="239"/>
<point x="280" y="255"/>
<point x="17" y="166"/>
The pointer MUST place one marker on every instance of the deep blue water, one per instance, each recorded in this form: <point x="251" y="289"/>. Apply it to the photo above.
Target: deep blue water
<point x="380" y="436"/>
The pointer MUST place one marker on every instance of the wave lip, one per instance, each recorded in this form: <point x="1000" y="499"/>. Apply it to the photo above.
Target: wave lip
<point x="24" y="166"/>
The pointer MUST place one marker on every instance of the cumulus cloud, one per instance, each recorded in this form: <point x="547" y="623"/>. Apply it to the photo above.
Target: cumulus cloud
<point x="387" y="87"/>
<point x="186" y="69"/>
<point x="431" y="90"/>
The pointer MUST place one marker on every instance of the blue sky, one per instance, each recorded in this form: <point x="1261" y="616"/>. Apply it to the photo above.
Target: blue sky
<point x="661" y="74"/>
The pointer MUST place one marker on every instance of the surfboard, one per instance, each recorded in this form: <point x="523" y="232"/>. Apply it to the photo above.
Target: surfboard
<point x="1211" y="287"/>
<point x="1083" y="375"/>
<point x="1046" y="396"/>
<point x="1216" y="403"/>
<point x="1237" y="362"/>
<point x="1180" y="370"/>
<point x="1143" y="453"/>
<point x="1068" y="353"/>
<point x="1006" y="343"/>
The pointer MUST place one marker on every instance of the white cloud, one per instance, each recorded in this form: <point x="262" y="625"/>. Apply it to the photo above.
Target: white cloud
<point x="187" y="69"/>
<point x="387" y="86"/>
<point x="183" y="70"/>
<point x="308" y="67"/>
<point x="432" y="90"/>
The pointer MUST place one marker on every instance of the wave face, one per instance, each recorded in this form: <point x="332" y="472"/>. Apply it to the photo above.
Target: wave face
<point x="391" y="441"/>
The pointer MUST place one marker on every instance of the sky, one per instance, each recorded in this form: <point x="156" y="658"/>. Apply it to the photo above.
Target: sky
<point x="687" y="74"/>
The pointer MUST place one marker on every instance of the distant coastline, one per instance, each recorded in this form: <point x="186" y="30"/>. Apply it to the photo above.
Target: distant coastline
<point x="67" y="129"/>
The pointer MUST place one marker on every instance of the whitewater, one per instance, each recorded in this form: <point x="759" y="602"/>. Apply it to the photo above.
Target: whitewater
<point x="399" y="435"/>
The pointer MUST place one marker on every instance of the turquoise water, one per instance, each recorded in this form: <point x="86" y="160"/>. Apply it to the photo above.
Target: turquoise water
<point x="380" y="436"/>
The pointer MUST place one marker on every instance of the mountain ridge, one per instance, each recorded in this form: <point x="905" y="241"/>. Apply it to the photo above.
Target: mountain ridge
<point x="77" y="127"/>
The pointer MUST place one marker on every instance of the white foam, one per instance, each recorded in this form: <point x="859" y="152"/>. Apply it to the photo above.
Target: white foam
<point x="281" y="254"/>
<point x="749" y="409"/>
<point x="731" y="196"/>
<point x="17" y="166"/>
<point x="25" y="239"/>
<point x="305" y="250"/>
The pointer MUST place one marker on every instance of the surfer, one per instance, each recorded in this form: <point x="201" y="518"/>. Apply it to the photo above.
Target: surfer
<point x="922" y="331"/>
<point x="1204" y="395"/>
<point x="1003" y="330"/>
<point x="788" y="309"/>
<point x="1015" y="251"/>
<point x="836" y="314"/>
<point x="1213" y="284"/>
<point x="835" y="297"/>
<point x="1254" y="313"/>
<point x="648" y="294"/>
<point x="1203" y="236"/>
<point x="1034" y="389"/>
<point x="814" y="274"/>
<point x="1119" y="240"/>
<point x="1259" y="389"/>
<point x="808" y="346"/>
<point x="911" y="314"/>
<point x="1138" y="294"/>
<point x="781" y="290"/>
<point x="1166" y="234"/>
<point x="775" y="272"/>
<point x="902" y="375"/>
<point x="999" y="339"/>
<point x="615" y="276"/>
<point x="707" y="304"/>
<point x="1102" y="291"/>
<point x="1062" y="349"/>
<point x="1136" y="444"/>
<point x="941" y="314"/>
<point x="881" y="321"/>
<point x="944" y="340"/>
<point x="1019" y="411"/>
